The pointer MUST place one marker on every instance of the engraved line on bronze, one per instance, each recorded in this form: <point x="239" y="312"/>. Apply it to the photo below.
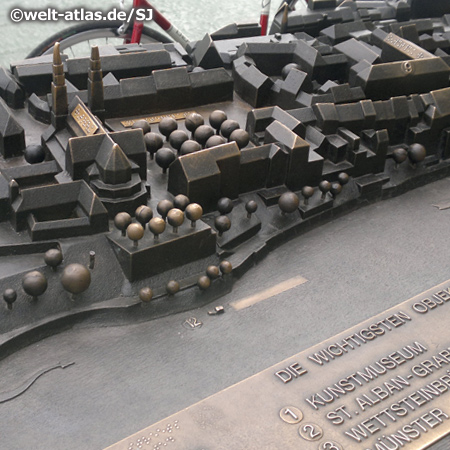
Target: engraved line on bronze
<point x="11" y="395"/>
<point x="268" y="293"/>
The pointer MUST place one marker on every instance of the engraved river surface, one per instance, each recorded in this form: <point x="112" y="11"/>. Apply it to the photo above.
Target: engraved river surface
<point x="126" y="378"/>
<point x="193" y="17"/>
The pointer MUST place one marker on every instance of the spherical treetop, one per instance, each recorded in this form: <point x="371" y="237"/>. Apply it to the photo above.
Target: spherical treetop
<point x="175" y="217"/>
<point x="287" y="68"/>
<point x="163" y="207"/>
<point x="227" y="127"/>
<point x="145" y="294"/>
<point x="157" y="226"/>
<point x="142" y="124"/>
<point x="167" y="125"/>
<point x="225" y="267"/>
<point x="343" y="178"/>
<point x="53" y="257"/>
<point x="251" y="206"/>
<point x="194" y="212"/>
<point x="225" y="205"/>
<point x="172" y="287"/>
<point x="215" y="140"/>
<point x="181" y="201"/>
<point x="324" y="187"/>
<point x="135" y="232"/>
<point x="203" y="282"/>
<point x="203" y="133"/>
<point x="121" y="221"/>
<point x="288" y="202"/>
<point x="241" y="138"/>
<point x="76" y="278"/>
<point x="213" y="272"/>
<point x="164" y="158"/>
<point x="34" y="154"/>
<point x="399" y="155"/>
<point x="34" y="283"/>
<point x="336" y="189"/>
<point x="417" y="153"/>
<point x="177" y="138"/>
<point x="307" y="192"/>
<point x="153" y="142"/>
<point x="193" y="121"/>
<point x="10" y="296"/>
<point x="143" y="214"/>
<point x="222" y="224"/>
<point x="217" y="118"/>
<point x="189" y="146"/>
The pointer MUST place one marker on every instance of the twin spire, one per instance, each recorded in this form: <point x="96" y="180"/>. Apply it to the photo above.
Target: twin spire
<point x="59" y="88"/>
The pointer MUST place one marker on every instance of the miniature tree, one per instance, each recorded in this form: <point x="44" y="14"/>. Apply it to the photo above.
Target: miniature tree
<point x="153" y="142"/>
<point x="241" y="137"/>
<point x="10" y="296"/>
<point x="135" y="232"/>
<point x="324" y="187"/>
<point x="288" y="202"/>
<point x="287" y="68"/>
<point x="145" y="294"/>
<point x="172" y="287"/>
<point x="157" y="227"/>
<point x="307" y="193"/>
<point x="194" y="212"/>
<point x="416" y="153"/>
<point x="203" y="133"/>
<point x="399" y="155"/>
<point x="177" y="138"/>
<point x="53" y="258"/>
<point x="213" y="272"/>
<point x="189" y="147"/>
<point x="222" y="224"/>
<point x="336" y="189"/>
<point x="144" y="214"/>
<point x="142" y="124"/>
<point x="121" y="222"/>
<point x="214" y="141"/>
<point x="167" y="125"/>
<point x="164" y="158"/>
<point x="34" y="154"/>
<point x="34" y="284"/>
<point x="225" y="267"/>
<point x="76" y="279"/>
<point x="163" y="207"/>
<point x="193" y="121"/>
<point x="175" y="217"/>
<point x="203" y="282"/>
<point x="181" y="201"/>
<point x="227" y="127"/>
<point x="251" y="206"/>
<point x="216" y="119"/>
<point x="225" y="205"/>
<point x="343" y="178"/>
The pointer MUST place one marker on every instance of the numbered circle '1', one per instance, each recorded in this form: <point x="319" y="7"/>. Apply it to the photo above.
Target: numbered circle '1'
<point x="291" y="414"/>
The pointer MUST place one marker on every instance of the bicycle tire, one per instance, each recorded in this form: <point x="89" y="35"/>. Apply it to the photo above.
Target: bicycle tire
<point x="104" y="29"/>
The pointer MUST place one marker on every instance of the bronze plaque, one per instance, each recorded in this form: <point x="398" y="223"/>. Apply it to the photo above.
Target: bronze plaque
<point x="83" y="119"/>
<point x="156" y="119"/>
<point x="381" y="385"/>
<point x="408" y="48"/>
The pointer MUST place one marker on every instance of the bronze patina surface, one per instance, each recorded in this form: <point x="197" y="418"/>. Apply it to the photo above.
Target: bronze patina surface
<point x="383" y="384"/>
<point x="157" y="119"/>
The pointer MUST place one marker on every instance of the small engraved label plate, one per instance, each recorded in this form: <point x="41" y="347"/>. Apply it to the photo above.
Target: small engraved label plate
<point x="85" y="122"/>
<point x="383" y="384"/>
<point x="156" y="119"/>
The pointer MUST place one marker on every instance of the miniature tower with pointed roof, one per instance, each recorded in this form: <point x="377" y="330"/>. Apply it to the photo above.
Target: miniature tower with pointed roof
<point x="95" y="85"/>
<point x="59" y="91"/>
